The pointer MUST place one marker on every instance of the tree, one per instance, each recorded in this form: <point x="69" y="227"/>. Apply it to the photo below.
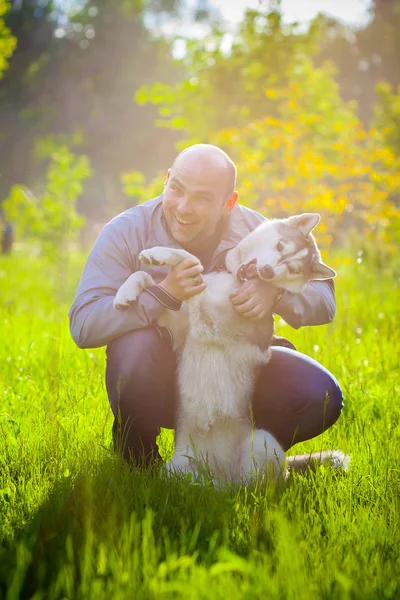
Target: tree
<point x="20" y="119"/>
<point x="51" y="220"/>
<point x="72" y="81"/>
<point x="387" y="117"/>
<point x="365" y="56"/>
<point x="311" y="152"/>
<point x="225" y="88"/>
<point x="7" y="41"/>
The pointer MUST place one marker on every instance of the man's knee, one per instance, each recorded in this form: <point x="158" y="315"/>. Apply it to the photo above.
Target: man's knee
<point x="333" y="403"/>
<point x="296" y="398"/>
<point x="320" y="396"/>
<point x="138" y="361"/>
<point x="321" y="411"/>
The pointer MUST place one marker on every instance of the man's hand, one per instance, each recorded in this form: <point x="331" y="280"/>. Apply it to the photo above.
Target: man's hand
<point x="255" y="299"/>
<point x="184" y="280"/>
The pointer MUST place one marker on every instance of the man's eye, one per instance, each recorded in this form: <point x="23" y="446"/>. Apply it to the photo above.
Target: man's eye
<point x="279" y="246"/>
<point x="176" y="189"/>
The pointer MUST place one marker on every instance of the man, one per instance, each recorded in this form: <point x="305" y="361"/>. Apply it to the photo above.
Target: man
<point x="295" y="397"/>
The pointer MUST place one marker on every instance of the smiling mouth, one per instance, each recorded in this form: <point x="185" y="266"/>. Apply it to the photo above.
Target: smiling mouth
<point x="184" y="223"/>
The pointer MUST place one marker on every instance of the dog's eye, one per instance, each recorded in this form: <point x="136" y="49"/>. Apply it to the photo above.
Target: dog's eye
<point x="279" y="246"/>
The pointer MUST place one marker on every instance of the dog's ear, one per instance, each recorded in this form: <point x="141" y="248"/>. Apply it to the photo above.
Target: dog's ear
<point x="321" y="271"/>
<point x="304" y="222"/>
<point x="233" y="259"/>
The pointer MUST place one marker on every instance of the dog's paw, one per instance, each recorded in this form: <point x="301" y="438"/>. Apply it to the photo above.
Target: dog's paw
<point x="160" y="255"/>
<point x="126" y="296"/>
<point x="147" y="257"/>
<point x="129" y="291"/>
<point x="179" y="465"/>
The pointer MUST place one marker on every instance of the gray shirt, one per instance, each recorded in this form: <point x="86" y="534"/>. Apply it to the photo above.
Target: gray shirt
<point x="93" y="319"/>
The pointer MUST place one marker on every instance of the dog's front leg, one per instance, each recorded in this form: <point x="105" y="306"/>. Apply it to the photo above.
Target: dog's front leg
<point x="181" y="463"/>
<point x="184" y="459"/>
<point x="162" y="255"/>
<point x="129" y="291"/>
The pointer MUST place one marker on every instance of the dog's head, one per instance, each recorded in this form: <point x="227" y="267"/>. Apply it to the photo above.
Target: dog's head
<point x="283" y="252"/>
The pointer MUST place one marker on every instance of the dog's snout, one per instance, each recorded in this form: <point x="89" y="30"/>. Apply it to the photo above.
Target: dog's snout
<point x="267" y="272"/>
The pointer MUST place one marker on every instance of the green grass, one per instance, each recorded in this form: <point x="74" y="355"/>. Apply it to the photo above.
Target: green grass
<point x="77" y="523"/>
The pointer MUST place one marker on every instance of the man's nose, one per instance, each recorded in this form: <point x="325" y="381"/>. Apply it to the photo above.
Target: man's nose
<point x="185" y="205"/>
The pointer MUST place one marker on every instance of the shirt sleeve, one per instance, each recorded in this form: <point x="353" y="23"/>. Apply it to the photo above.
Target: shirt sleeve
<point x="315" y="305"/>
<point x="93" y="320"/>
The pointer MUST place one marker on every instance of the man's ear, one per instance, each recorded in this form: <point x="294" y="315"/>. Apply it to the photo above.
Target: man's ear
<point x="167" y="177"/>
<point x="305" y="222"/>
<point x="321" y="271"/>
<point x="232" y="200"/>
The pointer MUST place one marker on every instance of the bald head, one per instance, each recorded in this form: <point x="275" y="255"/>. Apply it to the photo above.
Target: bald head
<point x="213" y="158"/>
<point x="199" y="193"/>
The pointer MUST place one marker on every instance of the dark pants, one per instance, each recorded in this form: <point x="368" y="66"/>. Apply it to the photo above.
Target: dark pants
<point x="295" y="397"/>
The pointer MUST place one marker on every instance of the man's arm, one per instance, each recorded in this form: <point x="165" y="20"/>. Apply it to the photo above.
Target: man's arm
<point x="315" y="305"/>
<point x="93" y="319"/>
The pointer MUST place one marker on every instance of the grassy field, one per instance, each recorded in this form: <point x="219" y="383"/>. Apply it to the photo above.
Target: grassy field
<point x="77" y="523"/>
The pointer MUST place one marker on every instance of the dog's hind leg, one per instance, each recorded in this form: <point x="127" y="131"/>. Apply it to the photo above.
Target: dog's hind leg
<point x="183" y="460"/>
<point x="261" y="454"/>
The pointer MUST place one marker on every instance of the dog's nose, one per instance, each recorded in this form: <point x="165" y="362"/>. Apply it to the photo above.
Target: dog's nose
<point x="267" y="272"/>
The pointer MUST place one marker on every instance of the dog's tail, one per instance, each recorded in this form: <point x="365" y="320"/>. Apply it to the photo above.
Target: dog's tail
<point x="332" y="458"/>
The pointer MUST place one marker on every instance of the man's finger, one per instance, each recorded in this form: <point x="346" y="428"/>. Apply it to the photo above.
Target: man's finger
<point x="189" y="262"/>
<point x="254" y="313"/>
<point x="192" y="271"/>
<point x="192" y="282"/>
<point x="260" y="315"/>
<point x="193" y="290"/>
<point x="241" y="297"/>
<point x="245" y="306"/>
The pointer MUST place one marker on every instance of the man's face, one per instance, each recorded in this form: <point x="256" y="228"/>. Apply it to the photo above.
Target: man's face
<point x="195" y="197"/>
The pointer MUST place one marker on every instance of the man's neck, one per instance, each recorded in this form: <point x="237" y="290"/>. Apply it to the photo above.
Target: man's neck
<point x="200" y="243"/>
<point x="205" y="248"/>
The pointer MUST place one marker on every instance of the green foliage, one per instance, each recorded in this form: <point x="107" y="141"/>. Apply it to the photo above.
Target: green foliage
<point x="51" y="219"/>
<point x="75" y="521"/>
<point x="78" y="523"/>
<point x="226" y="88"/>
<point x="78" y="74"/>
<point x="296" y="143"/>
<point x="364" y="56"/>
<point x="316" y="155"/>
<point x="387" y="116"/>
<point x="136" y="187"/>
<point x="310" y="152"/>
<point x="7" y="41"/>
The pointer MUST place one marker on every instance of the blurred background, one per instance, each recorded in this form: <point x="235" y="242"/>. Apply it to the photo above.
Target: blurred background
<point x="98" y="96"/>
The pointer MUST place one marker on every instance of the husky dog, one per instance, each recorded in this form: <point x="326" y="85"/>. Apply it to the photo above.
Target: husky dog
<point x="220" y="351"/>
